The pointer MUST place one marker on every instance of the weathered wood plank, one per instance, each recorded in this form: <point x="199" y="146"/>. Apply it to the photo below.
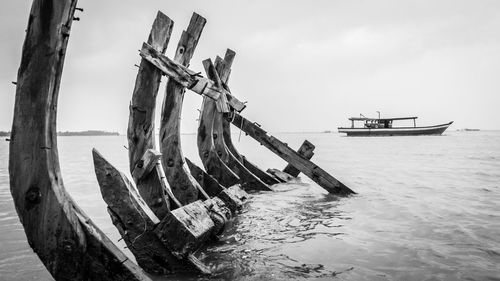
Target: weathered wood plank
<point x="280" y="175"/>
<point x="209" y="184"/>
<point x="248" y="180"/>
<point x="140" y="132"/>
<point x="214" y="166"/>
<point x="184" y="186"/>
<point x="261" y="174"/>
<point x="226" y="128"/>
<point x="133" y="218"/>
<point x="70" y="246"/>
<point x="214" y="188"/>
<point x="306" y="150"/>
<point x="187" y="78"/>
<point x="185" y="229"/>
<point x="146" y="164"/>
<point x="318" y="175"/>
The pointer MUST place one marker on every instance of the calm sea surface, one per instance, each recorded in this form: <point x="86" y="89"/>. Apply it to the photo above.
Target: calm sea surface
<point x="428" y="208"/>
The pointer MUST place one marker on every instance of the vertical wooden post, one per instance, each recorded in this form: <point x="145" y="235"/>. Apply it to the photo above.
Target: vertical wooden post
<point x="64" y="238"/>
<point x="184" y="186"/>
<point x="306" y="150"/>
<point x="141" y="132"/>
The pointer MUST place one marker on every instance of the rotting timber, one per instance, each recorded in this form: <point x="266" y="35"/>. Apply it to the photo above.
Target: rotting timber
<point x="174" y="207"/>
<point x="68" y="243"/>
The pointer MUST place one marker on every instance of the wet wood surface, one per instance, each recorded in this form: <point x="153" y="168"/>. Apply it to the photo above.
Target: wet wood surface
<point x="188" y="78"/>
<point x="133" y="218"/>
<point x="220" y="72"/>
<point x="184" y="186"/>
<point x="210" y="157"/>
<point x="318" y="175"/>
<point x="67" y="242"/>
<point x="254" y="169"/>
<point x="306" y="150"/>
<point x="141" y="129"/>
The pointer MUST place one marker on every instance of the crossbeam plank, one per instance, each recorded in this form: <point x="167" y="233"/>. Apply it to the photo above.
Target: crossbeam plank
<point x="313" y="171"/>
<point x="188" y="78"/>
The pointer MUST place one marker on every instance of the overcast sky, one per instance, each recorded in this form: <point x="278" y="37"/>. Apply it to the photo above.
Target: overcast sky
<point x="301" y="65"/>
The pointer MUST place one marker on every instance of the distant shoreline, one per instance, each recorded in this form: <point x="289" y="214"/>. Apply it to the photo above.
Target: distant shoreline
<point x="89" y="133"/>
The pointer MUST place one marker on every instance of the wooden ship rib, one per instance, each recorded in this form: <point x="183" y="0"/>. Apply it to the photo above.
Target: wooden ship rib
<point x="171" y="207"/>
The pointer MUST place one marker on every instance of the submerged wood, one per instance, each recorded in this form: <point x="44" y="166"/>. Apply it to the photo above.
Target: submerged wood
<point x="306" y="150"/>
<point x="188" y="78"/>
<point x="232" y="198"/>
<point x="133" y="218"/>
<point x="261" y="174"/>
<point x="224" y="74"/>
<point x="140" y="132"/>
<point x="248" y="180"/>
<point x="209" y="184"/>
<point x="280" y="175"/>
<point x="318" y="175"/>
<point x="184" y="186"/>
<point x="149" y="238"/>
<point x="214" y="166"/>
<point x="68" y="243"/>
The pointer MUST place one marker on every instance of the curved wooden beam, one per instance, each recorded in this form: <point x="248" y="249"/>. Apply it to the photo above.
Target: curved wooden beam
<point x="226" y="128"/>
<point x="141" y="132"/>
<point x="184" y="186"/>
<point x="262" y="175"/>
<point x="206" y="148"/>
<point x="249" y="181"/>
<point x="67" y="242"/>
<point x="133" y="218"/>
<point x="156" y="251"/>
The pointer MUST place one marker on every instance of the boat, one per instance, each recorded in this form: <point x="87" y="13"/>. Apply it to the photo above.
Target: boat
<point x="384" y="127"/>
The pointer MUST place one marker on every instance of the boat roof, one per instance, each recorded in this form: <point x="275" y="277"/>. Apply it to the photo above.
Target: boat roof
<point x="383" y="119"/>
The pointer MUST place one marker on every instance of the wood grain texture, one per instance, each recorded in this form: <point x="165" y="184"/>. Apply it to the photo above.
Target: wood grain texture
<point x="187" y="78"/>
<point x="248" y="180"/>
<point x="318" y="175"/>
<point x="214" y="166"/>
<point x="280" y="175"/>
<point x="133" y="218"/>
<point x="140" y="132"/>
<point x="224" y="71"/>
<point x="146" y="164"/>
<point x="254" y="169"/>
<point x="186" y="229"/>
<point x="214" y="188"/>
<point x="67" y="242"/>
<point x="209" y="183"/>
<point x="306" y="150"/>
<point x="184" y="186"/>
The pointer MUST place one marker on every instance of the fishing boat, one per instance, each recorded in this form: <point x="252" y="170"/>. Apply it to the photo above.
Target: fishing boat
<point x="384" y="127"/>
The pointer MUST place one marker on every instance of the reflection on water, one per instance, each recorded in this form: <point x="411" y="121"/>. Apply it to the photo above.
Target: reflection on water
<point x="426" y="209"/>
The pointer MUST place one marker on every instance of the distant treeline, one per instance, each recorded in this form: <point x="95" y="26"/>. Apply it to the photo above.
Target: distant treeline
<point x="88" y="133"/>
<point x="67" y="133"/>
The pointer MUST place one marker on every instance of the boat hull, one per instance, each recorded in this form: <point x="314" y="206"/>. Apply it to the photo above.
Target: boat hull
<point x="398" y="131"/>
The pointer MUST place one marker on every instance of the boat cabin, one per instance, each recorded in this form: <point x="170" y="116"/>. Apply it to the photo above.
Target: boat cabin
<point x="378" y="123"/>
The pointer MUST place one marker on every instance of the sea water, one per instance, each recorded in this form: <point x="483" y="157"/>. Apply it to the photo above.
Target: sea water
<point x="427" y="208"/>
